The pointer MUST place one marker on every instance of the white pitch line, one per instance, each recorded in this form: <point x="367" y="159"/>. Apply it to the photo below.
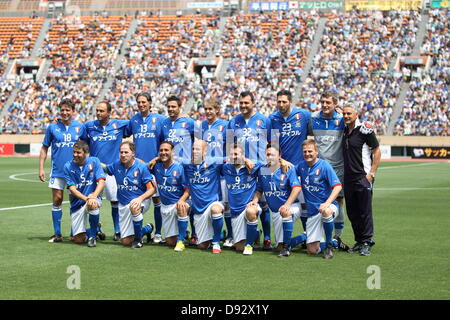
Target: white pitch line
<point x="407" y="166"/>
<point x="14" y="177"/>
<point x="30" y="206"/>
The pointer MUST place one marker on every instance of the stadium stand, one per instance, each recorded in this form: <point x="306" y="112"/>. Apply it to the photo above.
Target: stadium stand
<point x="426" y="109"/>
<point x="263" y="52"/>
<point x="356" y="52"/>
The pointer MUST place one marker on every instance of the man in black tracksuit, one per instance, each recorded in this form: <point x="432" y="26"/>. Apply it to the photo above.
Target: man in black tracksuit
<point x="361" y="158"/>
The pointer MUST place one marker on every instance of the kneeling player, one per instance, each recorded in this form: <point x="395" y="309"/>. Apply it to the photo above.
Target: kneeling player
<point x="173" y="192"/>
<point x="203" y="177"/>
<point x="281" y="191"/>
<point x="320" y="186"/>
<point x="85" y="180"/>
<point x="241" y="178"/>
<point x="134" y="189"/>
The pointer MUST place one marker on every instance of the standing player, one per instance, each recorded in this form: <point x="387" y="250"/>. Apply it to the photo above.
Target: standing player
<point x="281" y="191"/>
<point x="203" y="177"/>
<point x="85" y="180"/>
<point x="174" y="192"/>
<point x="146" y="129"/>
<point x="61" y="137"/>
<point x="134" y="188"/>
<point x="213" y="131"/>
<point x="361" y="158"/>
<point x="104" y="137"/>
<point x="241" y="179"/>
<point x="251" y="129"/>
<point x="179" y="130"/>
<point x="327" y="126"/>
<point x="290" y="129"/>
<point x="320" y="186"/>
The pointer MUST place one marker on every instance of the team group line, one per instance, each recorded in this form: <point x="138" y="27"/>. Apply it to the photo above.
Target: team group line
<point x="217" y="172"/>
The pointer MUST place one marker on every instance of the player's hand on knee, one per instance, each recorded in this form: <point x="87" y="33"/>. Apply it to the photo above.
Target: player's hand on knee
<point x="135" y="206"/>
<point x="92" y="204"/>
<point x="285" y="210"/>
<point x="324" y="208"/>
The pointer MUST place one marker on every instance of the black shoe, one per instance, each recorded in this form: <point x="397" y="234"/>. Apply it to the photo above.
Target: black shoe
<point x="371" y="243"/>
<point x="356" y="248"/>
<point x="149" y="234"/>
<point x="137" y="244"/>
<point x="365" y="249"/>
<point x="285" y="251"/>
<point x="304" y="246"/>
<point x="341" y="245"/>
<point x="328" y="253"/>
<point x="100" y="233"/>
<point x="116" y="236"/>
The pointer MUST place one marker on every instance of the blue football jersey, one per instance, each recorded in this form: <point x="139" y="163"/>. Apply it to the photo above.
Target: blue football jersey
<point x="215" y="136"/>
<point x="84" y="178"/>
<point x="104" y="142"/>
<point x="171" y="182"/>
<point x="241" y="186"/>
<point x="203" y="180"/>
<point x="131" y="182"/>
<point x="290" y="133"/>
<point x="147" y="134"/>
<point x="317" y="182"/>
<point x="252" y="134"/>
<point x="277" y="186"/>
<point x="61" y="141"/>
<point x="181" y="134"/>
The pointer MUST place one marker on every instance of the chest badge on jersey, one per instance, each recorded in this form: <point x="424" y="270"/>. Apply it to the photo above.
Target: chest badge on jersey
<point x="282" y="181"/>
<point x="337" y="122"/>
<point x="297" y="122"/>
<point x="153" y="124"/>
<point x="174" y="177"/>
<point x="135" y="174"/>
<point x="317" y="177"/>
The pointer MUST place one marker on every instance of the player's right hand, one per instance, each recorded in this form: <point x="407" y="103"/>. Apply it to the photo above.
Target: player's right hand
<point x="42" y="175"/>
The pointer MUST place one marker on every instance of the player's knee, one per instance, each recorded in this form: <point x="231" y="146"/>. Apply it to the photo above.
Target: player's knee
<point x="313" y="248"/>
<point x="216" y="209"/>
<point x="80" y="238"/>
<point x="286" y="214"/>
<point x="251" y="215"/>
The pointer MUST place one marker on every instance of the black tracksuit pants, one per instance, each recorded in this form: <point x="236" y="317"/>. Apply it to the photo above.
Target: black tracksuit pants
<point x="358" y="201"/>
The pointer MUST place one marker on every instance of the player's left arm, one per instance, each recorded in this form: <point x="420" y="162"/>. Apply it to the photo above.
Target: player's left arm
<point x="136" y="203"/>
<point x="333" y="182"/>
<point x="376" y="156"/>
<point x="334" y="194"/>
<point x="372" y="142"/>
<point x="296" y="188"/>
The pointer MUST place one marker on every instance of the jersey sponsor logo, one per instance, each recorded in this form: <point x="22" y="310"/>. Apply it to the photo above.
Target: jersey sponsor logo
<point x="104" y="138"/>
<point x="311" y="188"/>
<point x="198" y="178"/>
<point x="275" y="193"/>
<point x="326" y="138"/>
<point x="64" y="144"/>
<point x="143" y="135"/>
<point x="168" y="188"/>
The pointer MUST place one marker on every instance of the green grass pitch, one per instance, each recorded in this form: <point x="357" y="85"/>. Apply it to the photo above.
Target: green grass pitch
<point x="412" y="251"/>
